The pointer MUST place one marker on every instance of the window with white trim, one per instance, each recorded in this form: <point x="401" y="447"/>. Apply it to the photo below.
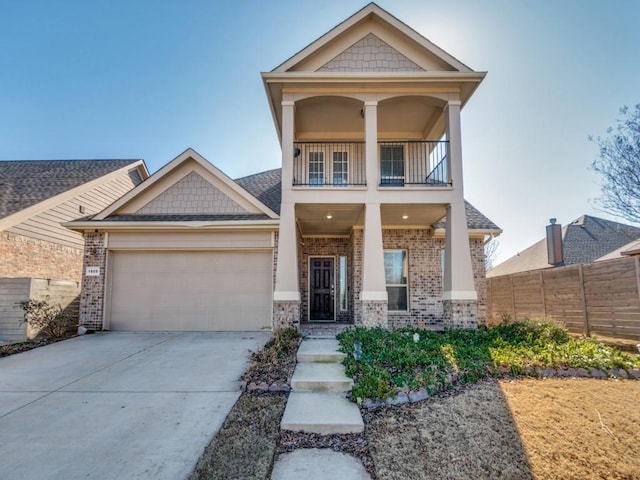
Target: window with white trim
<point x="342" y="278"/>
<point x="392" y="165"/>
<point x="396" y="275"/>
<point x="340" y="168"/>
<point x="316" y="168"/>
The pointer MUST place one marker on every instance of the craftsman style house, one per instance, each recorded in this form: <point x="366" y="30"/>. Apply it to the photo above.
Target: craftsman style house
<point x="369" y="122"/>
<point x="365" y="223"/>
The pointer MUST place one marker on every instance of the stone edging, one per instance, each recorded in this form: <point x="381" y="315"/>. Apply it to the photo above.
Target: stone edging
<point x="415" y="396"/>
<point x="265" y="387"/>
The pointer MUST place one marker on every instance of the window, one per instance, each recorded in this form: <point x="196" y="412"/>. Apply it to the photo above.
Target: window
<point x="316" y="168"/>
<point x="340" y="168"/>
<point x="395" y="272"/>
<point x="342" y="280"/>
<point x="391" y="165"/>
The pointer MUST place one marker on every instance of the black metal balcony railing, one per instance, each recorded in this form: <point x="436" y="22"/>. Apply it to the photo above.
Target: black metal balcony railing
<point x="329" y="164"/>
<point x="414" y="163"/>
<point x="341" y="164"/>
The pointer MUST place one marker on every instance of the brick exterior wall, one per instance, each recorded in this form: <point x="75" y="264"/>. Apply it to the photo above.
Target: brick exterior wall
<point x="460" y="313"/>
<point x="426" y="307"/>
<point x="92" y="295"/>
<point x="22" y="256"/>
<point x="425" y="276"/>
<point x="480" y="278"/>
<point x="370" y="54"/>
<point x="192" y="195"/>
<point x="285" y="315"/>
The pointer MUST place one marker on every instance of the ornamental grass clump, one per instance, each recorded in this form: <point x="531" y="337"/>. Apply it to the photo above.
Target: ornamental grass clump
<point x="409" y="359"/>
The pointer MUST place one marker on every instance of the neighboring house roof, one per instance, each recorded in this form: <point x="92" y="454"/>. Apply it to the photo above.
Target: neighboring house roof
<point x="629" y="250"/>
<point x="584" y="240"/>
<point x="266" y="186"/>
<point x="26" y="183"/>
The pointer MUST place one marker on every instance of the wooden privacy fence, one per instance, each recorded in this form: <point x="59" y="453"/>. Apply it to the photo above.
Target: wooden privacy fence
<point x="601" y="298"/>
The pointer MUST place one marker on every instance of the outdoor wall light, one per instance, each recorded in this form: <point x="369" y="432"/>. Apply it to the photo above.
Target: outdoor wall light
<point x="404" y="217"/>
<point x="329" y="216"/>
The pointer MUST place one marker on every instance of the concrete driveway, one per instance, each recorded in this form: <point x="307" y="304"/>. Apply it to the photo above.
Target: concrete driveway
<point x="118" y="405"/>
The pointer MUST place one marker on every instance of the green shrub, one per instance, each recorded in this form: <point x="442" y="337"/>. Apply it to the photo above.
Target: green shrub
<point x="406" y="359"/>
<point x="45" y="318"/>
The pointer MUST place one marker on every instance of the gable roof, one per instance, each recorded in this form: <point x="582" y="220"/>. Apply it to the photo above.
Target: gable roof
<point x="266" y="185"/>
<point x="25" y="183"/>
<point x="584" y="240"/>
<point x="164" y="173"/>
<point x="372" y="11"/>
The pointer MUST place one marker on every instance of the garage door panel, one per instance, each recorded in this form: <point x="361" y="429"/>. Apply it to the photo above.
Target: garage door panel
<point x="191" y="291"/>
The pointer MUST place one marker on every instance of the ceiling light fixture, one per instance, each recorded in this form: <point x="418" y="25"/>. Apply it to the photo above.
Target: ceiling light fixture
<point x="329" y="216"/>
<point x="404" y="217"/>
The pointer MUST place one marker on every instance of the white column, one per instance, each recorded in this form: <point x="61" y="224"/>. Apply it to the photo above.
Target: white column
<point x="286" y="288"/>
<point x="371" y="144"/>
<point x="458" y="270"/>
<point x="374" y="286"/>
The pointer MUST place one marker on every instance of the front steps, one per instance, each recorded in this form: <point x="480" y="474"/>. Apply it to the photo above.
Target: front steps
<point x="318" y="400"/>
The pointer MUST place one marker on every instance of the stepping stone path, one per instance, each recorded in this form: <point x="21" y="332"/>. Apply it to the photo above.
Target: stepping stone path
<point x="318" y="400"/>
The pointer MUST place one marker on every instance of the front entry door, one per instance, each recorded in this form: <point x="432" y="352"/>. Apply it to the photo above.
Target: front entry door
<point x="321" y="290"/>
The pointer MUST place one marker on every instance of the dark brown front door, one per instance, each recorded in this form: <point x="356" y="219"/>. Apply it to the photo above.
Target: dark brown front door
<point x="321" y="290"/>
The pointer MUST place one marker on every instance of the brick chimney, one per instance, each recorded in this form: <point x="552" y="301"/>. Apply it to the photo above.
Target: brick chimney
<point x="555" y="254"/>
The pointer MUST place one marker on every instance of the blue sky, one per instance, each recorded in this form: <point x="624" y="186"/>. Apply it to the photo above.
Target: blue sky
<point x="149" y="78"/>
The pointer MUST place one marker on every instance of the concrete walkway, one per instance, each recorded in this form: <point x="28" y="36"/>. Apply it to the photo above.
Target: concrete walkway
<point x="318" y="464"/>
<point x="118" y="405"/>
<point x="319" y="388"/>
<point x="318" y="403"/>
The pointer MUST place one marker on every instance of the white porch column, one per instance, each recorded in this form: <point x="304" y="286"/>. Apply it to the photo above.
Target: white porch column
<point x="374" y="286"/>
<point x="286" y="295"/>
<point x="373" y="296"/>
<point x="371" y="144"/>
<point x="460" y="297"/>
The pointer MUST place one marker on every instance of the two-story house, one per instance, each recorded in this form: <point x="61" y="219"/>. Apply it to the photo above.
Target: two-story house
<point x="366" y="222"/>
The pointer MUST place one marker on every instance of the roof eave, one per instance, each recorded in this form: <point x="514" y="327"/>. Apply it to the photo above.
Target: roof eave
<point x="96" y="225"/>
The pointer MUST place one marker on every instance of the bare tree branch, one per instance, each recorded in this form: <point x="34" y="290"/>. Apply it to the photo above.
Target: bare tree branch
<point x="619" y="166"/>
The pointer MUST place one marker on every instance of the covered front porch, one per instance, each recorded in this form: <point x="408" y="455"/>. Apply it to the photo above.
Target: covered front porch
<point x="376" y="265"/>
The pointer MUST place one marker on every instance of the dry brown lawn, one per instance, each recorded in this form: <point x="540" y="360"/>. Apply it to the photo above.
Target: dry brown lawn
<point x="513" y="429"/>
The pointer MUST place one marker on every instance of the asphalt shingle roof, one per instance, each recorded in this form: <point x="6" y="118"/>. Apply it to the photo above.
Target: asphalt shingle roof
<point x="24" y="183"/>
<point x="266" y="186"/>
<point x="584" y="240"/>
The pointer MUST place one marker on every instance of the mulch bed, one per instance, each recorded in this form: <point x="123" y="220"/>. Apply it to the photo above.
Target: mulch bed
<point x="19" y="347"/>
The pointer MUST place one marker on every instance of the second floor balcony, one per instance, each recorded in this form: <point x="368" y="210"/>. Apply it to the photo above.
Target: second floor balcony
<point x="398" y="164"/>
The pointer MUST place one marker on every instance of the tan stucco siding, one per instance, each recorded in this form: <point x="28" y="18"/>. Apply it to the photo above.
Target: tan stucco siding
<point x="47" y="226"/>
<point x="192" y="195"/>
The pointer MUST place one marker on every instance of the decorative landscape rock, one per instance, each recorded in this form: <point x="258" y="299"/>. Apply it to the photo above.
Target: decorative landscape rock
<point x="400" y="399"/>
<point x="419" y="395"/>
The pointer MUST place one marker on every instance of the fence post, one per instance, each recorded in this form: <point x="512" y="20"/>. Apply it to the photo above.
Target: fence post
<point x="544" y="300"/>
<point x="513" y="298"/>
<point x="585" y="315"/>
<point x="637" y="262"/>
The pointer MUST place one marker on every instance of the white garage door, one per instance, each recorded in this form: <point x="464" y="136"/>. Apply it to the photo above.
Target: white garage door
<point x="192" y="291"/>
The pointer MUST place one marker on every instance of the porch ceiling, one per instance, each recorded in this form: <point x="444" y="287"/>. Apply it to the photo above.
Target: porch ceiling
<point x="336" y="118"/>
<point x="313" y="218"/>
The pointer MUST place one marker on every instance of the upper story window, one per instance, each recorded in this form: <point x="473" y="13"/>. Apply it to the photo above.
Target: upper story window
<point x="340" y="168"/>
<point x="392" y="165"/>
<point x="316" y="168"/>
